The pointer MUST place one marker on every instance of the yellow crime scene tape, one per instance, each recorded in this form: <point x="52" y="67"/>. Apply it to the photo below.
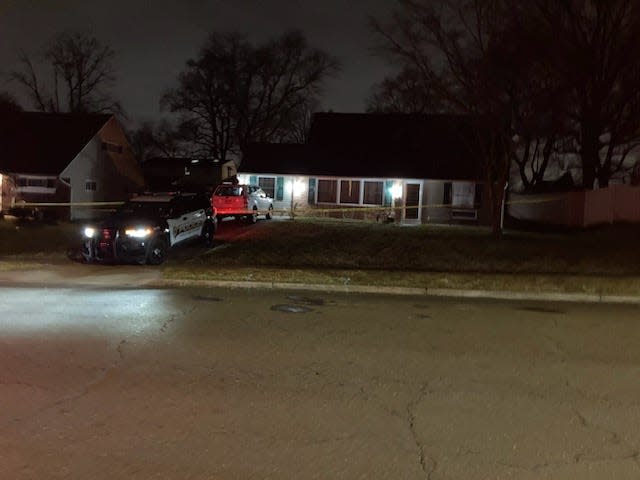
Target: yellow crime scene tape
<point x="299" y="211"/>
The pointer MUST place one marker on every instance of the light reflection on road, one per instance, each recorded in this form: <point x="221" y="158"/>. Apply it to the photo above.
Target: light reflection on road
<point x="92" y="311"/>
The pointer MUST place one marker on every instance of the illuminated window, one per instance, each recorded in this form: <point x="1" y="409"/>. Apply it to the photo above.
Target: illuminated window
<point x="373" y="193"/>
<point x="327" y="191"/>
<point x="350" y="191"/>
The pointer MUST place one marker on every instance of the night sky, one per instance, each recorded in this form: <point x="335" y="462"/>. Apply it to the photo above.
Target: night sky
<point x="154" y="38"/>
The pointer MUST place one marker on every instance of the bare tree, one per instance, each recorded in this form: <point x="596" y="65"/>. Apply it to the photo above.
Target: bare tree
<point x="594" y="54"/>
<point x="300" y="123"/>
<point x="405" y="92"/>
<point x="8" y="103"/>
<point x="457" y="47"/>
<point x="80" y="76"/>
<point x="235" y="93"/>
<point x="157" y="140"/>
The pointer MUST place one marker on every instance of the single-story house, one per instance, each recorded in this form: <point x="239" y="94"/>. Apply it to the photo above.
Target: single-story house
<point x="416" y="168"/>
<point x="64" y="157"/>
<point x="194" y="174"/>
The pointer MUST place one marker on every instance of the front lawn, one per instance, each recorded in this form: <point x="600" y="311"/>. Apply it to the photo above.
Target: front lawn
<point x="35" y="239"/>
<point x="352" y="245"/>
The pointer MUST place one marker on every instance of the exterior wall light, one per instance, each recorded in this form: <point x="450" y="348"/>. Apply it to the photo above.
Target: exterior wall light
<point x="295" y="187"/>
<point x="396" y="191"/>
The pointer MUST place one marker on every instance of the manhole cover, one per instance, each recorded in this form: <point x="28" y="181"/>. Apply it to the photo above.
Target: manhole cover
<point x="539" y="309"/>
<point x="305" y="300"/>
<point x="291" y="308"/>
<point x="206" y="298"/>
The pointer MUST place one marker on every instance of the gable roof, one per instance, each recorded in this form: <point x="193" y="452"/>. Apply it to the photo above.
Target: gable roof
<point x="45" y="143"/>
<point x="377" y="145"/>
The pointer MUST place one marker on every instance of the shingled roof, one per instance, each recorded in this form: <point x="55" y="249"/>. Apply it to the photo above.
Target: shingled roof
<point x="377" y="145"/>
<point x="44" y="143"/>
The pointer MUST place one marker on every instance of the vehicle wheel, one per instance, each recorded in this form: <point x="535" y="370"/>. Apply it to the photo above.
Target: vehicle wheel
<point x="157" y="251"/>
<point x="208" y="232"/>
<point x="269" y="214"/>
<point x="254" y="217"/>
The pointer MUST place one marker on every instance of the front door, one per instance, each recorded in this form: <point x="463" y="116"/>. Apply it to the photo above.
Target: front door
<point x="413" y="210"/>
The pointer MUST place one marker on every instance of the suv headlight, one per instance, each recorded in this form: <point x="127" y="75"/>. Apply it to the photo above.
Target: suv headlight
<point x="89" y="232"/>
<point x="138" y="232"/>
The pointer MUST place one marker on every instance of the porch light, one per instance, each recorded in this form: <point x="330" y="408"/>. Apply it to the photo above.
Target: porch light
<point x="89" y="232"/>
<point x="396" y="191"/>
<point x="297" y="187"/>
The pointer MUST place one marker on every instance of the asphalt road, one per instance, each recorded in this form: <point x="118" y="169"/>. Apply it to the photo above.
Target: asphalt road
<point x="231" y="384"/>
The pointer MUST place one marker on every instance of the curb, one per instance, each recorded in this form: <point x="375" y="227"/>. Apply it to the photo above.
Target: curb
<point x="410" y="291"/>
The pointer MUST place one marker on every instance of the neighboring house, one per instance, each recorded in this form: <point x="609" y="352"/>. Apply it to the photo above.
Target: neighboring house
<point x="77" y="158"/>
<point x="166" y="174"/>
<point x="418" y="168"/>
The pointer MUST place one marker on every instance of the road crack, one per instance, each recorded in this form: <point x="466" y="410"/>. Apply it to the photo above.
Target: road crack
<point x="427" y="463"/>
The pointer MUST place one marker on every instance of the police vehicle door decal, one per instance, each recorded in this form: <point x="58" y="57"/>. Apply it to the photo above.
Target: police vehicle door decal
<point x="186" y="226"/>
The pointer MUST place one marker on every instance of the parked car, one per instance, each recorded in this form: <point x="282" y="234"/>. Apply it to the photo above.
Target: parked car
<point x="143" y="229"/>
<point x="241" y="201"/>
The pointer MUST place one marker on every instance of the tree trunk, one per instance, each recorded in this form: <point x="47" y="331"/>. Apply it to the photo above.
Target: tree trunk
<point x="590" y="155"/>
<point x="497" y="193"/>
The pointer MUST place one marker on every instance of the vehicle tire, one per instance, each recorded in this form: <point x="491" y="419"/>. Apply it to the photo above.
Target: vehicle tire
<point x="269" y="214"/>
<point x="157" y="251"/>
<point x="254" y="217"/>
<point x="208" y="232"/>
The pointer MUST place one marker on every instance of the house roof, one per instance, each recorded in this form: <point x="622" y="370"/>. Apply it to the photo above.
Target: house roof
<point x="377" y="145"/>
<point x="44" y="143"/>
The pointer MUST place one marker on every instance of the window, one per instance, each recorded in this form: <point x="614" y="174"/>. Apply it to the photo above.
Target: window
<point x="36" y="182"/>
<point x="350" y="191"/>
<point x="22" y="182"/>
<point x="112" y="147"/>
<point x="268" y="184"/>
<point x="90" y="186"/>
<point x="373" y="193"/>
<point x="463" y="194"/>
<point x="327" y="191"/>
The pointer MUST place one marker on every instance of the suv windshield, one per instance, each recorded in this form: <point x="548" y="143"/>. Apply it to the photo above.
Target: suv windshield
<point x="229" y="191"/>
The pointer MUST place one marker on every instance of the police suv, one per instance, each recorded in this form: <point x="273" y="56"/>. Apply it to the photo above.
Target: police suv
<point x="143" y="229"/>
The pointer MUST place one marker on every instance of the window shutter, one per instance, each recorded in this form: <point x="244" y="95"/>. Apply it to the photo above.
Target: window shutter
<point x="447" y="194"/>
<point x="388" y="201"/>
<point x="253" y="180"/>
<point x="478" y="200"/>
<point x="311" y="199"/>
<point x="280" y="188"/>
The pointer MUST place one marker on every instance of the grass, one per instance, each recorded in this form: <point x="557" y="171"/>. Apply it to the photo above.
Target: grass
<point x="25" y="240"/>
<point x="348" y="246"/>
<point x="604" y="260"/>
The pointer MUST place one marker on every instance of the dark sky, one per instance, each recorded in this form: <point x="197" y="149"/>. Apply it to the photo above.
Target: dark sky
<point x="154" y="38"/>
